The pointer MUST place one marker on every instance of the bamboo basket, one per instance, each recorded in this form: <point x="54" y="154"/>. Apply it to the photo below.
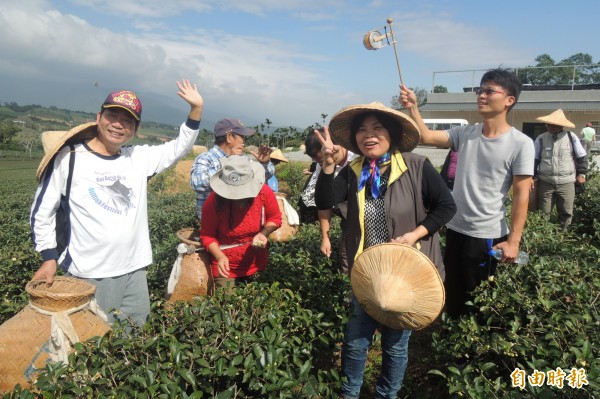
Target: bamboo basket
<point x="286" y="231"/>
<point x="196" y="278"/>
<point x="25" y="338"/>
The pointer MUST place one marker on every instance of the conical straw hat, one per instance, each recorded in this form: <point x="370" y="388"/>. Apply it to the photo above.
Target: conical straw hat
<point x="556" y="118"/>
<point x="53" y="141"/>
<point x="398" y="286"/>
<point x="404" y="126"/>
<point x="278" y="155"/>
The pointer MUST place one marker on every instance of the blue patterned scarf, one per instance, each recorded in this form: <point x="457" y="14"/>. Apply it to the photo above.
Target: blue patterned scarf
<point x="370" y="170"/>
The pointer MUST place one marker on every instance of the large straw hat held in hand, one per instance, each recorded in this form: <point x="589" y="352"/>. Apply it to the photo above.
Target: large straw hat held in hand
<point x="339" y="127"/>
<point x="398" y="286"/>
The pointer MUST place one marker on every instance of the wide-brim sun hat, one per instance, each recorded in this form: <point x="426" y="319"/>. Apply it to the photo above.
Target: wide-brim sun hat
<point x="339" y="127"/>
<point x="556" y="118"/>
<point x="398" y="286"/>
<point x="53" y="141"/>
<point x="238" y="178"/>
<point x="277" y="155"/>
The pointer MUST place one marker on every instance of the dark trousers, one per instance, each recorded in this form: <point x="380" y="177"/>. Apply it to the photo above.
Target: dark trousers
<point x="468" y="263"/>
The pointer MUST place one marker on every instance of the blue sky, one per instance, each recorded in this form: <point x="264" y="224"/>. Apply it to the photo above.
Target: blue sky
<point x="288" y="61"/>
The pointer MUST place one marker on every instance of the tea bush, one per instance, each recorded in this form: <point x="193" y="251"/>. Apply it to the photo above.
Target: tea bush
<point x="540" y="316"/>
<point x="17" y="257"/>
<point x="255" y="343"/>
<point x="279" y="335"/>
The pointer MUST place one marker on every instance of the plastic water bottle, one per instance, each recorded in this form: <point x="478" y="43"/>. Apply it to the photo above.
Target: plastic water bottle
<point x="521" y="259"/>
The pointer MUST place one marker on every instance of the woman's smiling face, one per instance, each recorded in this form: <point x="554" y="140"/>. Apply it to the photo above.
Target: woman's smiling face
<point x="372" y="138"/>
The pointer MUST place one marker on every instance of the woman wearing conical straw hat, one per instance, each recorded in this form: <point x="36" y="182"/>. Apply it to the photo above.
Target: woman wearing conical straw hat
<point x="393" y="196"/>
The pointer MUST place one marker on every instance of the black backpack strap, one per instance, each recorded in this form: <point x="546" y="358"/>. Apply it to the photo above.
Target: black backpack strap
<point x="71" y="167"/>
<point x="63" y="215"/>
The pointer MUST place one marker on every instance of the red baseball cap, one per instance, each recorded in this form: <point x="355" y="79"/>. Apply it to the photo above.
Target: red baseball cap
<point x="124" y="99"/>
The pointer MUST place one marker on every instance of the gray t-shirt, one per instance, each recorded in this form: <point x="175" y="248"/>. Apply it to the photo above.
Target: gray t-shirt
<point x="484" y="174"/>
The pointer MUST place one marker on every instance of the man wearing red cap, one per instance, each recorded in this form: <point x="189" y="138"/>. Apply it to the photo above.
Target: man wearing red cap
<point x="103" y="184"/>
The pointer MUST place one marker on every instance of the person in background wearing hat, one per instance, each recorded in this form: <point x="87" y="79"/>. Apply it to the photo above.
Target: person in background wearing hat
<point x="239" y="215"/>
<point x="109" y="237"/>
<point x="560" y="162"/>
<point x="588" y="137"/>
<point x="393" y="196"/>
<point x="276" y="157"/>
<point x="493" y="157"/>
<point x="229" y="140"/>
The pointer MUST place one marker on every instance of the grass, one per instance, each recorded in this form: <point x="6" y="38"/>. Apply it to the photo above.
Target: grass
<point x="18" y="169"/>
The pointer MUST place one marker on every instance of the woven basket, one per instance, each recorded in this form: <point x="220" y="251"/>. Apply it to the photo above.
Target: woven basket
<point x="189" y="236"/>
<point x="24" y="338"/>
<point x="285" y="232"/>
<point x="196" y="278"/>
<point x="65" y="293"/>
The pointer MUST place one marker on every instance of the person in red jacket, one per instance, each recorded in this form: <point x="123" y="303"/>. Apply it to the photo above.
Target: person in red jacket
<point x="237" y="218"/>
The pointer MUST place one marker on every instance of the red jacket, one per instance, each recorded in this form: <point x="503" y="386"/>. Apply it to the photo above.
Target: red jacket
<point x="231" y="224"/>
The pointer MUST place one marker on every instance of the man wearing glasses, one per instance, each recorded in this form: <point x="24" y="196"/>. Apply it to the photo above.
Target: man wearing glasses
<point x="493" y="156"/>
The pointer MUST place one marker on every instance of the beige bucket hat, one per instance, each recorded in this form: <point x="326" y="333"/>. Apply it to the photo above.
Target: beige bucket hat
<point x="398" y="286"/>
<point x="238" y="178"/>
<point x="53" y="141"/>
<point x="556" y="118"/>
<point x="339" y="127"/>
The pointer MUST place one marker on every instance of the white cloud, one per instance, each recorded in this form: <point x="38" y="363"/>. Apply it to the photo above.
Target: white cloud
<point x="161" y="8"/>
<point x="146" y="8"/>
<point x="455" y="44"/>
<point x="255" y="74"/>
<point x="291" y="79"/>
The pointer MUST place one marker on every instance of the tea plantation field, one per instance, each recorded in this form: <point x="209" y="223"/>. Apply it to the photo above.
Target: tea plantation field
<point x="279" y="336"/>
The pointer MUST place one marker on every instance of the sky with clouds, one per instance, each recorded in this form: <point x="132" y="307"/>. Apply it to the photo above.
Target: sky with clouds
<point x="286" y="60"/>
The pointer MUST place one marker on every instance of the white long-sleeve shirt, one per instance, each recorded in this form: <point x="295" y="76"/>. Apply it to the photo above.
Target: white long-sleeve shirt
<point x="108" y="200"/>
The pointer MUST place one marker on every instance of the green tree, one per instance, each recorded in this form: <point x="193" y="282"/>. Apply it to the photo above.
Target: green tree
<point x="549" y="72"/>
<point x="7" y="130"/>
<point x="7" y="113"/>
<point x="28" y="140"/>
<point x="268" y="123"/>
<point x="205" y="138"/>
<point x="440" y="89"/>
<point x="323" y="117"/>
<point x="421" y="94"/>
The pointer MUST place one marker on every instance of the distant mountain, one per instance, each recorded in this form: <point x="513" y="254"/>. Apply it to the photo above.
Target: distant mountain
<point x="88" y="96"/>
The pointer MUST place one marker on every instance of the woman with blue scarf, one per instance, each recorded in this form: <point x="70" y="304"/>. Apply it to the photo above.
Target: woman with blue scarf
<point x="393" y="196"/>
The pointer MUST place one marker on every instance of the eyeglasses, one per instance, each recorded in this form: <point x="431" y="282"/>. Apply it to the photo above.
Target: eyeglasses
<point x="488" y="92"/>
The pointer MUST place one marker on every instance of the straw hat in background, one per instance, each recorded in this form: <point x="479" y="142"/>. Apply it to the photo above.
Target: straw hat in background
<point x="277" y="155"/>
<point x="556" y="118"/>
<point x="53" y="141"/>
<point x="398" y="286"/>
<point x="339" y="127"/>
<point x="238" y="178"/>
